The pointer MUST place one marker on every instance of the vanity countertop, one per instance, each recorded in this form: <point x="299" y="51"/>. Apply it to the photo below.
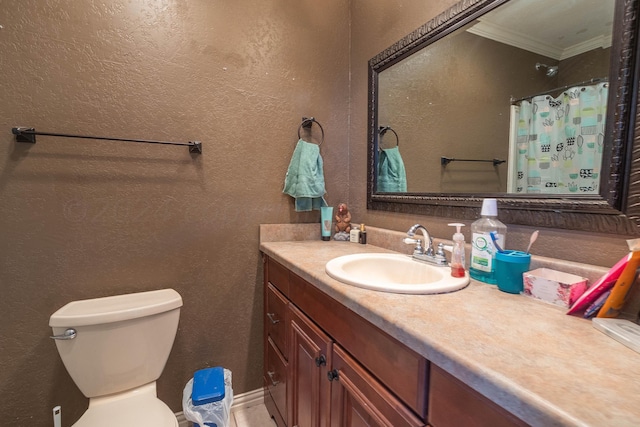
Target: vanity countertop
<point x="529" y="357"/>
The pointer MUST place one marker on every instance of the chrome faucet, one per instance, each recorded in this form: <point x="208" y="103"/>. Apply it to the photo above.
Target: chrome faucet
<point x="419" y="252"/>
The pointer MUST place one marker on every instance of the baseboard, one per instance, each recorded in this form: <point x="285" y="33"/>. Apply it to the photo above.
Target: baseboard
<point x="241" y="401"/>
<point x="248" y="399"/>
<point x="182" y="421"/>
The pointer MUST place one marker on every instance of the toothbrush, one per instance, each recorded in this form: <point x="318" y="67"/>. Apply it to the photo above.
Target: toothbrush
<point x="495" y="241"/>
<point x="532" y="239"/>
<point x="595" y="307"/>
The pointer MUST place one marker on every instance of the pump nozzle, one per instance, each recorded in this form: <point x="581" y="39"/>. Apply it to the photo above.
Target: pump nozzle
<point x="458" y="235"/>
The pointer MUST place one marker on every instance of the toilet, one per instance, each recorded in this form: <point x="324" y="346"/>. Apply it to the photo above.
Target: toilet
<point x="115" y="348"/>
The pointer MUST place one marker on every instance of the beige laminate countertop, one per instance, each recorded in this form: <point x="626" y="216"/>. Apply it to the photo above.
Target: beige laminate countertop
<point x="547" y="368"/>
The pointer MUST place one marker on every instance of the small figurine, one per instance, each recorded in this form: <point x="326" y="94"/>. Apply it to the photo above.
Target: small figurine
<point x="343" y="223"/>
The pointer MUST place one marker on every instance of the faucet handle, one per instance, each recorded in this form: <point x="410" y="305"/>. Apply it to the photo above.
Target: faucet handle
<point x="410" y="241"/>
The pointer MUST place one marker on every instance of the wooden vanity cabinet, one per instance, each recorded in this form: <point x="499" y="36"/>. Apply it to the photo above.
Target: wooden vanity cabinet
<point x="401" y="370"/>
<point x="339" y="370"/>
<point x="326" y="366"/>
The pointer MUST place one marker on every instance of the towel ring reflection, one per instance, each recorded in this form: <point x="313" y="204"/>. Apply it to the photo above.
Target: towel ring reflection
<point x="383" y="129"/>
<point x="307" y="122"/>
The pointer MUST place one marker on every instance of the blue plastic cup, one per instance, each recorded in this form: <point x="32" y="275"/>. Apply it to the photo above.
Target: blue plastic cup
<point x="509" y="268"/>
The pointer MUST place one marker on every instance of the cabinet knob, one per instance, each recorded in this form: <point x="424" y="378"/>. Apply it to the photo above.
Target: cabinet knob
<point x="273" y="319"/>
<point x="332" y="375"/>
<point x="321" y="361"/>
<point x="271" y="375"/>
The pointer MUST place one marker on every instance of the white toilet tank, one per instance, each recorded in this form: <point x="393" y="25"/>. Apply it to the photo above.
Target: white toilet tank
<point x="121" y="341"/>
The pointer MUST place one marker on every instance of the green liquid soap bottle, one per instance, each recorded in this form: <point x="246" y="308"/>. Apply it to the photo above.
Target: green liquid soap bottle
<point x="483" y="251"/>
<point x="457" y="253"/>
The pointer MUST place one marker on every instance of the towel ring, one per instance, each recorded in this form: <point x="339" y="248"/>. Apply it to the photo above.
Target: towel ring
<point x="383" y="129"/>
<point x="307" y="122"/>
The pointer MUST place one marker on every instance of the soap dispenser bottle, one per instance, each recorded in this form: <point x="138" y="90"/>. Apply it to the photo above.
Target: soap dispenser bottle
<point x="363" y="235"/>
<point x="457" y="253"/>
<point x="483" y="251"/>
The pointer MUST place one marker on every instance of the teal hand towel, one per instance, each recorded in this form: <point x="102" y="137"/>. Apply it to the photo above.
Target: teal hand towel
<point x="305" y="178"/>
<point x="392" y="177"/>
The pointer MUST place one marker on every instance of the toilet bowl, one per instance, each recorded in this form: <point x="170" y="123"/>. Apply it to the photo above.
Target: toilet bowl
<point x="115" y="348"/>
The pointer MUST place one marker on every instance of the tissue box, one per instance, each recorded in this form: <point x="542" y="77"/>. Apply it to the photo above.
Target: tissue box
<point x="553" y="286"/>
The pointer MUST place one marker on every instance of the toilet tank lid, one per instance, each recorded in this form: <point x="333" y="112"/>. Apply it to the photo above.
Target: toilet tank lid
<point x="115" y="308"/>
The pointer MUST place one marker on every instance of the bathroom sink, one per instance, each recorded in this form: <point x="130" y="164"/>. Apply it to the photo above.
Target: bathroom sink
<point x="395" y="273"/>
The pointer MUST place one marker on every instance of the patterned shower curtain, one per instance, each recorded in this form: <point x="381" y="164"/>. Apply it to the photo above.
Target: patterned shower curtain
<point x="559" y="142"/>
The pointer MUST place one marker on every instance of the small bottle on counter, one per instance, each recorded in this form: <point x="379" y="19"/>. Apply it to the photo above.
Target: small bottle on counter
<point x="457" y="253"/>
<point x="363" y="235"/>
<point x="483" y="251"/>
<point x="354" y="235"/>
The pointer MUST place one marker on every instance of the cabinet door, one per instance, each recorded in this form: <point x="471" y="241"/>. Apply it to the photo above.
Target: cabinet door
<point x="453" y="403"/>
<point x="358" y="399"/>
<point x="309" y="357"/>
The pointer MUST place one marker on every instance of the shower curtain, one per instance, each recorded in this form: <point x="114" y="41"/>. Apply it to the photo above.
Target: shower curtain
<point x="559" y="142"/>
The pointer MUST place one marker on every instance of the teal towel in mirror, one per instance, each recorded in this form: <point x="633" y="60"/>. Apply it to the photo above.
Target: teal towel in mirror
<point x="305" y="178"/>
<point x="392" y="178"/>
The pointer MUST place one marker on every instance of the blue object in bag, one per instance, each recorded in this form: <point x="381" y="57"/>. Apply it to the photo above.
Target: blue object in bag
<point x="208" y="387"/>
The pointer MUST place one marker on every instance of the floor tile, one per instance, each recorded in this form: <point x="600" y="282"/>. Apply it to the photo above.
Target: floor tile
<point x="255" y="416"/>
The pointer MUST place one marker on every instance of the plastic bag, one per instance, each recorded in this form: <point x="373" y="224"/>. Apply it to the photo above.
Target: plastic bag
<point x="209" y="414"/>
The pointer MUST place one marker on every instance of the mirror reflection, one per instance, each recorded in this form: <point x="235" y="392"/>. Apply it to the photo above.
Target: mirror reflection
<point x="513" y="102"/>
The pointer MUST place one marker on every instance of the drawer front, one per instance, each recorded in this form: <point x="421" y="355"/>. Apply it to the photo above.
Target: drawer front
<point x="401" y="369"/>
<point x="453" y="403"/>
<point x="276" y="319"/>
<point x="358" y="399"/>
<point x="278" y="276"/>
<point x="275" y="377"/>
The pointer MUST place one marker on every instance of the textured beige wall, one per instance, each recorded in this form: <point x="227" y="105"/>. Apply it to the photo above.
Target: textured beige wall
<point x="82" y="218"/>
<point x="376" y="26"/>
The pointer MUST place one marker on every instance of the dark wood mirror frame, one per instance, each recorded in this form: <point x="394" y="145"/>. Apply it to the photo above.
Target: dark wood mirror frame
<point x="615" y="211"/>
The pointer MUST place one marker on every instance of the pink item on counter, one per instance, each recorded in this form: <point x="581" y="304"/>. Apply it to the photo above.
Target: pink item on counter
<point x="555" y="287"/>
<point x="603" y="284"/>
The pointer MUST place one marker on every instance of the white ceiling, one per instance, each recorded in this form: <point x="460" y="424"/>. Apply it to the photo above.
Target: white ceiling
<point x="558" y="29"/>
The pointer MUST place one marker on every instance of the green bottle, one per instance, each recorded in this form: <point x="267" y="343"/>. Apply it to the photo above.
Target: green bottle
<point x="482" y="263"/>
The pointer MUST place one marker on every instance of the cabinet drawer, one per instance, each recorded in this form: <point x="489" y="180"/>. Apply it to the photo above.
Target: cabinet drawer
<point x="276" y="319"/>
<point x="401" y="369"/>
<point x="359" y="399"/>
<point x="453" y="403"/>
<point x="275" y="377"/>
<point x="278" y="276"/>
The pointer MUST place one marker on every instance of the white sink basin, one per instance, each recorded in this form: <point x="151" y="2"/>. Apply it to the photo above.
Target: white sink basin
<point x="394" y="273"/>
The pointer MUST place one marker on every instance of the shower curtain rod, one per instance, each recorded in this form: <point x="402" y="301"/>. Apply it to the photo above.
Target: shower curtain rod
<point x="586" y="82"/>
<point x="26" y="134"/>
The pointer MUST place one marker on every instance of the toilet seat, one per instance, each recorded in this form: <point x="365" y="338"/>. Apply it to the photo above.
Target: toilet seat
<point x="138" y="407"/>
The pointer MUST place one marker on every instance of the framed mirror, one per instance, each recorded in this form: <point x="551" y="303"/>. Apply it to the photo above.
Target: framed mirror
<point x="534" y="104"/>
